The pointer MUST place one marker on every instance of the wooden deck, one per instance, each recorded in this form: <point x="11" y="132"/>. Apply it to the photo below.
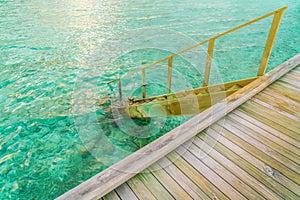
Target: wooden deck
<point x="247" y="147"/>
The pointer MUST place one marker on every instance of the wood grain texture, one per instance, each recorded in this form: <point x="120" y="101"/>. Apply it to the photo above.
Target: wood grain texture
<point x="291" y="79"/>
<point x="263" y="135"/>
<point x="280" y="103"/>
<point x="269" y="155"/>
<point x="287" y="91"/>
<point x="140" y="189"/>
<point x="263" y="109"/>
<point x="124" y="192"/>
<point x="156" y="188"/>
<point x="169" y="183"/>
<point x="283" y="100"/>
<point x="280" y="126"/>
<point x="278" y="109"/>
<point x="265" y="163"/>
<point x="233" y="150"/>
<point x="206" y="186"/>
<point x="111" y="196"/>
<point x="209" y="174"/>
<point x="269" y="129"/>
<point x="235" y="169"/>
<point x="223" y="171"/>
<point x="185" y="182"/>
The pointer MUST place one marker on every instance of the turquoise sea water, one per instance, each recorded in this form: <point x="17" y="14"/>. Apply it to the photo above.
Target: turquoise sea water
<point x="48" y="54"/>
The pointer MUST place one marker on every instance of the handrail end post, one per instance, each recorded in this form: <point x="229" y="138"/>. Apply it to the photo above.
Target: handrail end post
<point x="270" y="41"/>
<point x="210" y="52"/>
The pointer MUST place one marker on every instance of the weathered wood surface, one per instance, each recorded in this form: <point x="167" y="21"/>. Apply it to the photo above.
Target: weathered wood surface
<point x="182" y="103"/>
<point x="140" y="189"/>
<point x="111" y="196"/>
<point x="243" y="149"/>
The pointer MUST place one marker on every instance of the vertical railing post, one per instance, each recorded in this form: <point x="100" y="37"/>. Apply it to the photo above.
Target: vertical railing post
<point x="144" y="84"/>
<point x="170" y="63"/>
<point x="120" y="89"/>
<point x="270" y="42"/>
<point x="210" y="52"/>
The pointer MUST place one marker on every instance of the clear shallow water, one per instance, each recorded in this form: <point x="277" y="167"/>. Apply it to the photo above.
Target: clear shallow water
<point x="45" y="47"/>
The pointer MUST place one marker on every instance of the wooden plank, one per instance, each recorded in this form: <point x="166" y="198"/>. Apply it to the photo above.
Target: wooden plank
<point x="293" y="76"/>
<point x="186" y="105"/>
<point x="285" y="91"/>
<point x="265" y="154"/>
<point x="287" y="102"/>
<point x="224" y="86"/>
<point x="222" y="171"/>
<point x="291" y="80"/>
<point x="276" y="109"/>
<point x="124" y="192"/>
<point x="234" y="169"/>
<point x="107" y="180"/>
<point x="209" y="174"/>
<point x="279" y="184"/>
<point x="269" y="129"/>
<point x="293" y="167"/>
<point x="195" y="91"/>
<point x="210" y="190"/>
<point x="288" y="85"/>
<point x="295" y="72"/>
<point x="158" y="190"/>
<point x="276" y="116"/>
<point x="139" y="188"/>
<point x="266" y="164"/>
<point x="268" y="142"/>
<point x="111" y="196"/>
<point x="269" y="122"/>
<point x="297" y="69"/>
<point x="257" y="131"/>
<point x="168" y="182"/>
<point x="279" y="104"/>
<point x="187" y="184"/>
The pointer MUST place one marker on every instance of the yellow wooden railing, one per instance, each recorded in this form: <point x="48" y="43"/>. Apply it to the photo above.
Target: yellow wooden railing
<point x="211" y="41"/>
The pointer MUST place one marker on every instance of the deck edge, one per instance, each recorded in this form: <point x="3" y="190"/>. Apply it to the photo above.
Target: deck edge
<point x="114" y="176"/>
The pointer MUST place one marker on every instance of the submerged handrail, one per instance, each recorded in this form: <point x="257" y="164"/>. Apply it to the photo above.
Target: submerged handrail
<point x="263" y="64"/>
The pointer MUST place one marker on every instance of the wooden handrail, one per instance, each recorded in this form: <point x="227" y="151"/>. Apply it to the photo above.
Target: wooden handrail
<point x="270" y="42"/>
<point x="266" y="55"/>
<point x="210" y="52"/>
